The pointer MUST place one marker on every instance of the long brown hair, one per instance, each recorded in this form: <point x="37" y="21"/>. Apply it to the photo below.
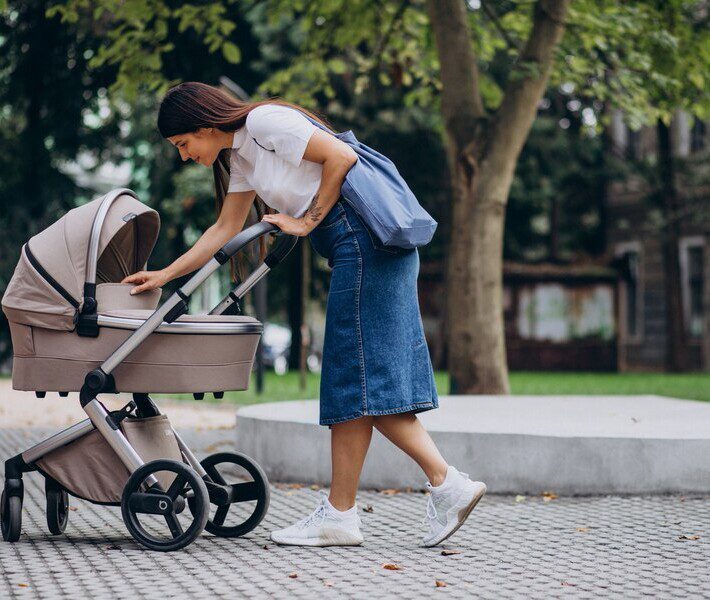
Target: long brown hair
<point x="191" y="105"/>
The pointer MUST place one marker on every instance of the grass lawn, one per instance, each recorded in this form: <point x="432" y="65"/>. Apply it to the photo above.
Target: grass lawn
<point x="691" y="386"/>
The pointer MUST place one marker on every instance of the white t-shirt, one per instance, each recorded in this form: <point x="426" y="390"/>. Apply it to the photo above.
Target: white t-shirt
<point x="267" y="156"/>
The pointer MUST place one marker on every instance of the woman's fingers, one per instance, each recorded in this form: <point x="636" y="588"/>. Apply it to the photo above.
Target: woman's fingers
<point x="135" y="278"/>
<point x="141" y="288"/>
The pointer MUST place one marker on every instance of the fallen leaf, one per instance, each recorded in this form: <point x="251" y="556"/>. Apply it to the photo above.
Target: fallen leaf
<point x="315" y="486"/>
<point x="520" y="498"/>
<point x="73" y="508"/>
<point x="439" y="583"/>
<point x="265" y="547"/>
<point x="23" y="585"/>
<point x="389" y="492"/>
<point x="547" y="496"/>
<point x="368" y="508"/>
<point x="391" y="567"/>
<point x="567" y="583"/>
<point x="450" y="552"/>
<point x="295" y="486"/>
<point x="583" y="529"/>
<point x="293" y="575"/>
<point x="688" y="537"/>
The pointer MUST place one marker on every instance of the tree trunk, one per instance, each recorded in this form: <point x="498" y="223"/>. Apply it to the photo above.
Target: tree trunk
<point x="676" y="359"/>
<point x="482" y="154"/>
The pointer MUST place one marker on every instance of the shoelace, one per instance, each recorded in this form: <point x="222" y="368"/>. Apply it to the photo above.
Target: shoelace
<point x="317" y="517"/>
<point x="431" y="512"/>
<point x="319" y="514"/>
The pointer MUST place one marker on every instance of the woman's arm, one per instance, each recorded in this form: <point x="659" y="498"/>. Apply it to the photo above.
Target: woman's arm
<point x="337" y="158"/>
<point x="230" y="222"/>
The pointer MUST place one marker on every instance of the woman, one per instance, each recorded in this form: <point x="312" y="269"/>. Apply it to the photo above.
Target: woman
<point x="376" y="366"/>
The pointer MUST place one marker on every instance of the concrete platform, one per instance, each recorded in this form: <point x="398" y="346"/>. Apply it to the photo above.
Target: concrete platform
<point x="516" y="444"/>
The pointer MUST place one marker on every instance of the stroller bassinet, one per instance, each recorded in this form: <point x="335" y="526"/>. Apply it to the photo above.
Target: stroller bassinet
<point x="75" y="327"/>
<point x="49" y="306"/>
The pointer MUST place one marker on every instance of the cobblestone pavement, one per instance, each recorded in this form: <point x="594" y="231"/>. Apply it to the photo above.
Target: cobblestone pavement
<point x="583" y="547"/>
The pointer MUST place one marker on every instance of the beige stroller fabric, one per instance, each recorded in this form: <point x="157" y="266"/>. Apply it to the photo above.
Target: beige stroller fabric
<point x="89" y="468"/>
<point x="128" y="235"/>
<point x="200" y="353"/>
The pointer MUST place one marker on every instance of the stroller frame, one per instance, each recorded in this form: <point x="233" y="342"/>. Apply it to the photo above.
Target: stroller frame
<point x="100" y="380"/>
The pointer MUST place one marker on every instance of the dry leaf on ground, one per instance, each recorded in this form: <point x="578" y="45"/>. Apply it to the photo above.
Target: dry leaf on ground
<point x="567" y="583"/>
<point x="450" y="552"/>
<point x="547" y="496"/>
<point x="583" y="529"/>
<point x="688" y="537"/>
<point x="520" y="498"/>
<point x="315" y="486"/>
<point x="293" y="575"/>
<point x="368" y="508"/>
<point x="389" y="492"/>
<point x="440" y="583"/>
<point x="391" y="567"/>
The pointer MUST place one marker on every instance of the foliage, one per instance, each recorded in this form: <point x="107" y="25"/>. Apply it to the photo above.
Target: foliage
<point x="140" y="32"/>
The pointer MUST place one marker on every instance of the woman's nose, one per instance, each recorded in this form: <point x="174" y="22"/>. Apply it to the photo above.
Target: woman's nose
<point x="183" y="155"/>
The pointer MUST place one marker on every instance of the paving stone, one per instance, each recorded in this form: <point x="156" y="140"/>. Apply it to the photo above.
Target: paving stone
<point x="628" y="547"/>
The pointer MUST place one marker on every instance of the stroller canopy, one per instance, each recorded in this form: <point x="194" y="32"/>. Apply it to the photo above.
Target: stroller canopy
<point x="99" y="242"/>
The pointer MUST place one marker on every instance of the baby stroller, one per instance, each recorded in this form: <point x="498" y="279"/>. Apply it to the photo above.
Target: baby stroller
<point x="75" y="327"/>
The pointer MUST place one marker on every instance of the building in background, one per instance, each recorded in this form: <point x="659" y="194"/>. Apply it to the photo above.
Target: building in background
<point x="635" y="236"/>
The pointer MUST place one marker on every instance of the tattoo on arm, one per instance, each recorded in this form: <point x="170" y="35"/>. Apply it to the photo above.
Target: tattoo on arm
<point x="314" y="212"/>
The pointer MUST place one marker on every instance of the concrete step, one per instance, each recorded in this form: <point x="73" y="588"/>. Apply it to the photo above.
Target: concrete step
<point x="516" y="444"/>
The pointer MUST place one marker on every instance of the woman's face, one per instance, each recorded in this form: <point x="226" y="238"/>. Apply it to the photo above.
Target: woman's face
<point x="202" y="146"/>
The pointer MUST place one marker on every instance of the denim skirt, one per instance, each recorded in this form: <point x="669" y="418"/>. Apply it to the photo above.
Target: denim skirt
<point x="375" y="357"/>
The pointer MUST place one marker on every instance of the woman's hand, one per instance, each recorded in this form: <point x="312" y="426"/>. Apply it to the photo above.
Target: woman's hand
<point x="147" y="280"/>
<point x="287" y="224"/>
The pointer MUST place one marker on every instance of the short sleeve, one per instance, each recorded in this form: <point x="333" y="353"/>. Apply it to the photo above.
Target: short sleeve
<point x="237" y="181"/>
<point x="282" y="129"/>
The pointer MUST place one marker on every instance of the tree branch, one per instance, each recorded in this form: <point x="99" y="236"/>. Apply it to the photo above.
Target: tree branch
<point x="461" y="102"/>
<point x="527" y="83"/>
<point x="499" y="26"/>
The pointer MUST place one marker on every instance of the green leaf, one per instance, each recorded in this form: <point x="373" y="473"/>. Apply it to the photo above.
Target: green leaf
<point x="231" y="52"/>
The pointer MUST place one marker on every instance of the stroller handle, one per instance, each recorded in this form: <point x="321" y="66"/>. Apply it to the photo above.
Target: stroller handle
<point x="177" y="304"/>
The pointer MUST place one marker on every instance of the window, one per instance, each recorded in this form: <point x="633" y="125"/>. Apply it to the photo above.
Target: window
<point x="631" y="290"/>
<point x="697" y="136"/>
<point x="692" y="282"/>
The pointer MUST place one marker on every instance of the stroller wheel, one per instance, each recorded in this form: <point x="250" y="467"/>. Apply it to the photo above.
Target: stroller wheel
<point x="57" y="507"/>
<point x="10" y="517"/>
<point x="155" y="518"/>
<point x="249" y="491"/>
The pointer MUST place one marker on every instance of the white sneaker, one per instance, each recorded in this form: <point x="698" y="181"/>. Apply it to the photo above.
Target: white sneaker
<point x="323" y="527"/>
<point x="450" y="504"/>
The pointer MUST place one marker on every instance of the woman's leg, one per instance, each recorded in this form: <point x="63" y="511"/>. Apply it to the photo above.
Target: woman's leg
<point x="406" y="432"/>
<point x="349" y="442"/>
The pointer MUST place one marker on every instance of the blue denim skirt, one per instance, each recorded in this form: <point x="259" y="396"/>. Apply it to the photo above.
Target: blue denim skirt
<point x="375" y="357"/>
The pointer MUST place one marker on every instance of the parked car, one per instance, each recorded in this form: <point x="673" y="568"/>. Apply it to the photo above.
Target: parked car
<point x="276" y="347"/>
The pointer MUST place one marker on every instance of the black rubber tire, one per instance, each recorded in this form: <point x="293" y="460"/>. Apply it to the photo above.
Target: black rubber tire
<point x="57" y="507"/>
<point x="10" y="517"/>
<point x="263" y="492"/>
<point x="200" y="514"/>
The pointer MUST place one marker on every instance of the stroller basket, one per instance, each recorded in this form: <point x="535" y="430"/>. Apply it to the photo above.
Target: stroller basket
<point x="88" y="468"/>
<point x="75" y="327"/>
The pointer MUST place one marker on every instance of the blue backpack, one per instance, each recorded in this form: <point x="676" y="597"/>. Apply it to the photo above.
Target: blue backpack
<point x="379" y="194"/>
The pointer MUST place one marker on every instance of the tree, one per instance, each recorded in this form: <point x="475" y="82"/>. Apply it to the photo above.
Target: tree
<point x="484" y="67"/>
